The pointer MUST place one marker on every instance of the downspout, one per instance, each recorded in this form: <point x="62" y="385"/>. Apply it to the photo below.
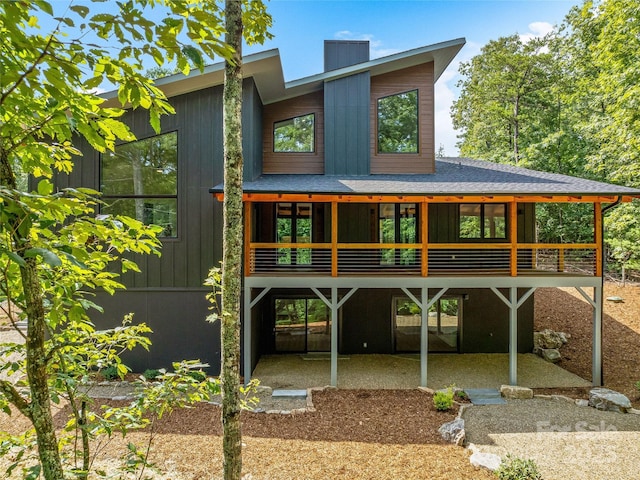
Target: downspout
<point x="604" y="264"/>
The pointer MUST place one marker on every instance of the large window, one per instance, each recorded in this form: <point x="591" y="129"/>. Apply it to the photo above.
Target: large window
<point x="398" y="123"/>
<point x="480" y="221"/>
<point x="302" y="325"/>
<point x="397" y="223"/>
<point x="139" y="180"/>
<point x="293" y="225"/>
<point x="295" y="135"/>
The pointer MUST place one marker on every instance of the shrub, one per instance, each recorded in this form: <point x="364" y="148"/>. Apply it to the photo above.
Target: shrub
<point x="443" y="399"/>
<point x="637" y="385"/>
<point x="151" y="373"/>
<point x="461" y="395"/>
<point x="514" y="468"/>
<point x="197" y="375"/>
<point x="110" y="373"/>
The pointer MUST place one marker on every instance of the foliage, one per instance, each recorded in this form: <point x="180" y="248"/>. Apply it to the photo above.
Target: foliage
<point x="514" y="468"/>
<point x="398" y="123"/>
<point x="151" y="374"/>
<point x="443" y="399"/>
<point x="565" y="103"/>
<point x="637" y="385"/>
<point x="294" y="135"/>
<point x="111" y="373"/>
<point x="54" y="248"/>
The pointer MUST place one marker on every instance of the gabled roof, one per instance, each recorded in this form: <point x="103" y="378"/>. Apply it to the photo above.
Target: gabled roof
<point x="266" y="70"/>
<point x="453" y="177"/>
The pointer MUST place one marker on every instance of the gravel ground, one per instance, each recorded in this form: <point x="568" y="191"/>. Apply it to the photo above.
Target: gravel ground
<point x="565" y="441"/>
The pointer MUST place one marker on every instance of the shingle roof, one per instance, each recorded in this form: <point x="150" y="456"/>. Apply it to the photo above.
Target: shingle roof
<point x="454" y="176"/>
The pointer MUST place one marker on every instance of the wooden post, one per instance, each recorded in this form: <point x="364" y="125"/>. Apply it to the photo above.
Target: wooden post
<point x="247" y="238"/>
<point x="597" y="225"/>
<point x="513" y="229"/>
<point x="334" y="238"/>
<point x="424" y="234"/>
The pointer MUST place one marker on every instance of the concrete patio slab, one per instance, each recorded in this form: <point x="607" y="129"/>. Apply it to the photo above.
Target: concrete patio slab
<point x="403" y="372"/>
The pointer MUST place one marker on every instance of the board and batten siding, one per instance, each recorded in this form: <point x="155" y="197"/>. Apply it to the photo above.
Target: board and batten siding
<point x="274" y="162"/>
<point x="346" y="111"/>
<point x="420" y="77"/>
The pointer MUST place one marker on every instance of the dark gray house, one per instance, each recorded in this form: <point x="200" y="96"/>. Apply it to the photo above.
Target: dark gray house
<point x="357" y="239"/>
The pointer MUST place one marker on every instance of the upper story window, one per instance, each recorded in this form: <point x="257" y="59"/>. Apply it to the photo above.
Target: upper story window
<point x="479" y="221"/>
<point x="398" y="123"/>
<point x="140" y="180"/>
<point x="295" y="135"/>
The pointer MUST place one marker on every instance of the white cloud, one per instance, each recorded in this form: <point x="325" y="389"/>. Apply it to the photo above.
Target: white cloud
<point x="376" y="49"/>
<point x="536" y="30"/>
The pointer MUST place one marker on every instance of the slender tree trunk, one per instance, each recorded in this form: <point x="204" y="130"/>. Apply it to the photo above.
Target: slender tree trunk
<point x="232" y="246"/>
<point x="37" y="373"/>
<point x="40" y="406"/>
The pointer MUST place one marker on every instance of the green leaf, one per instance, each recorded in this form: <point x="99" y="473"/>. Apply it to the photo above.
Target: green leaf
<point x="80" y="10"/>
<point x="16" y="258"/>
<point x="194" y="55"/>
<point x="48" y="256"/>
<point x="45" y="187"/>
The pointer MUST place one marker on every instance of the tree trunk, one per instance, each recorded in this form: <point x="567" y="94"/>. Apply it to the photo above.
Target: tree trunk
<point x="232" y="246"/>
<point x="516" y="130"/>
<point x="40" y="406"/>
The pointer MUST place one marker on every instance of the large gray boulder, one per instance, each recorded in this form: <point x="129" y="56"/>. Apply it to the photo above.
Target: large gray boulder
<point x="453" y="431"/>
<point x="609" y="400"/>
<point x="549" y="339"/>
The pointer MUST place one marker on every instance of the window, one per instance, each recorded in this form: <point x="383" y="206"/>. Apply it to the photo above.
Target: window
<point x="398" y="123"/>
<point x="295" y="135"/>
<point x="480" y="221"/>
<point x="139" y="180"/>
<point x="397" y="224"/>
<point x="302" y="325"/>
<point x="293" y="225"/>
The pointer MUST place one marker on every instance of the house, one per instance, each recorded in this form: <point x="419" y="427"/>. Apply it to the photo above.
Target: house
<point x="357" y="238"/>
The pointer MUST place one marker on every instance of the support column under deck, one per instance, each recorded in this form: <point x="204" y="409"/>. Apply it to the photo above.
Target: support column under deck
<point x="596" y="361"/>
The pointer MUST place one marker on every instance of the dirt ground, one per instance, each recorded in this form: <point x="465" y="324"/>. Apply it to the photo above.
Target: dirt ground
<point x="565" y="310"/>
<point x="383" y="434"/>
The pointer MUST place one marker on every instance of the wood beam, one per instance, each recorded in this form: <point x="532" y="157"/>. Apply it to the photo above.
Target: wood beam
<point x="597" y="227"/>
<point x="411" y="198"/>
<point x="334" y="239"/>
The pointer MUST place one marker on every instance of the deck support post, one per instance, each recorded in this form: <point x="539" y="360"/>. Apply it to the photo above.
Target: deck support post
<point x="334" y="336"/>
<point x="596" y="351"/>
<point x="513" y="336"/>
<point x="596" y="361"/>
<point x="513" y="304"/>
<point x="246" y="334"/>
<point x="424" y="304"/>
<point x="424" y="336"/>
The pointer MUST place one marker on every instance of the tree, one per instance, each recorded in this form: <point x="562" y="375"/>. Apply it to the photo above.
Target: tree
<point x="53" y="248"/>
<point x="235" y="21"/>
<point x="502" y="89"/>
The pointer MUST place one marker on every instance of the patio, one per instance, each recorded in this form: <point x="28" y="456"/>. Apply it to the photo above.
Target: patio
<point x="403" y="371"/>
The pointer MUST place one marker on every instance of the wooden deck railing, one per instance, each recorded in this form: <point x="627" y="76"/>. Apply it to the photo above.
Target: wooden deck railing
<point x="417" y="259"/>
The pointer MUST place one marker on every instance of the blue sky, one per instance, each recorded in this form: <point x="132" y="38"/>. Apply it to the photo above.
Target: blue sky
<point x="301" y="26"/>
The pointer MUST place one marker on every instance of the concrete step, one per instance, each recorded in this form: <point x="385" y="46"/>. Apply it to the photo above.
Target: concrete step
<point x="282" y="393"/>
<point x="485" y="396"/>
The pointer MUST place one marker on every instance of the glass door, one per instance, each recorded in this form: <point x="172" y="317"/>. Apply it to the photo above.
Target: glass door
<point x="302" y="325"/>
<point x="443" y="325"/>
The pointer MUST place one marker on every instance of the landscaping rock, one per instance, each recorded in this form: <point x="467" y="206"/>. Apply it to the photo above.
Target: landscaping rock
<point x="609" y="400"/>
<point x="512" y="391"/>
<point x="453" y="431"/>
<point x="580" y="402"/>
<point x="551" y="355"/>
<point x="490" y="461"/>
<point x="549" y="339"/>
